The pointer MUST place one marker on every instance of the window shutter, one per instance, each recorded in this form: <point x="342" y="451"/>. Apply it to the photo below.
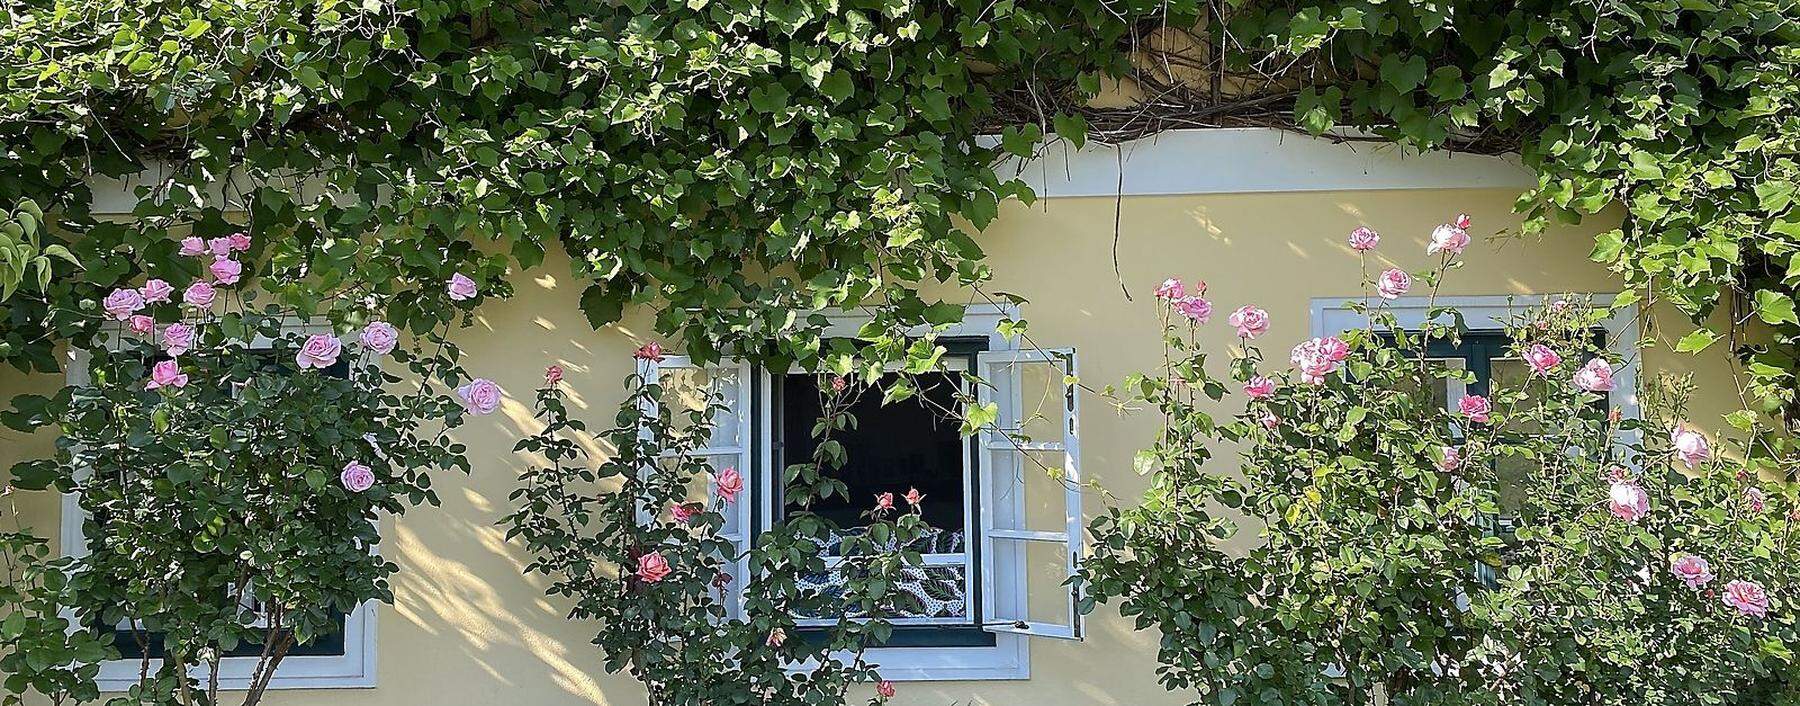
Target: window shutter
<point x="1031" y="524"/>
<point x="686" y="386"/>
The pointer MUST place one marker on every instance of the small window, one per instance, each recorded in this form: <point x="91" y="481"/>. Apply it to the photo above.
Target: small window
<point x="343" y="658"/>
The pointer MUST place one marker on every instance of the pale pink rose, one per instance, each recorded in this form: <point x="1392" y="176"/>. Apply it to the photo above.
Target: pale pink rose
<point x="1448" y="238"/>
<point x="319" y="351"/>
<point x="682" y="513"/>
<point x="1259" y="387"/>
<point x="178" y="338"/>
<point x="886" y="689"/>
<point x="226" y="271"/>
<point x="1628" y="501"/>
<point x="1451" y="460"/>
<point x="193" y="246"/>
<point x="1476" y="408"/>
<point x="156" y="291"/>
<point x="141" y="325"/>
<point x="651" y="351"/>
<point x="1270" y="420"/>
<point x="122" y="303"/>
<point x="1690" y="447"/>
<point x="1318" y="357"/>
<point x="838" y="383"/>
<point x="380" y="336"/>
<point x="1692" y="570"/>
<point x="730" y="482"/>
<point x="1462" y="221"/>
<point x="553" y="375"/>
<point x="1170" y="289"/>
<point x="776" y="637"/>
<point x="199" y="294"/>
<point x="1542" y="359"/>
<point x="1748" y="597"/>
<point x="356" y="477"/>
<point x="1334" y="348"/>
<point x="460" y="287"/>
<point x="884" y="501"/>
<point x="1363" y="239"/>
<point x="238" y="242"/>
<point x="652" y="567"/>
<point x="1755" y="498"/>
<point x="1596" y="376"/>
<point x="1393" y="283"/>
<point x="913" y="497"/>
<point x="481" y="396"/>
<point x="1196" y="308"/>
<point x="1249" y="321"/>
<point x="166" y="373"/>
<point x="219" y="247"/>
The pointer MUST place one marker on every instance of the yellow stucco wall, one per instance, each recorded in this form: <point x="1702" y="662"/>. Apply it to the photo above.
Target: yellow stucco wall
<point x="469" y="627"/>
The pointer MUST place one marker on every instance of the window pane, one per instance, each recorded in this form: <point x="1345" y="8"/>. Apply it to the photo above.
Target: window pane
<point x="924" y="592"/>
<point x="914" y="443"/>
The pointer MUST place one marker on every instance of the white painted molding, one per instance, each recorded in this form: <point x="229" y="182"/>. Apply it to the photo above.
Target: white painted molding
<point x="1253" y="160"/>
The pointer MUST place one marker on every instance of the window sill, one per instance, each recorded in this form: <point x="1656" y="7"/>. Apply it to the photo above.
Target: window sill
<point x="1007" y="659"/>
<point x="355" y="669"/>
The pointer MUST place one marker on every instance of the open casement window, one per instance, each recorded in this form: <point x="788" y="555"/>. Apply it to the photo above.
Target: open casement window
<point x="687" y="387"/>
<point x="1031" y="531"/>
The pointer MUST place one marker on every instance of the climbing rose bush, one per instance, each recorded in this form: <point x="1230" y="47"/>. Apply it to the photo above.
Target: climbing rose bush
<point x="233" y="464"/>
<point x="1530" y="545"/>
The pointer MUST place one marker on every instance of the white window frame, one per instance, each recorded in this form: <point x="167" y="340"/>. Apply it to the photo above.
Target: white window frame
<point x="354" y="669"/>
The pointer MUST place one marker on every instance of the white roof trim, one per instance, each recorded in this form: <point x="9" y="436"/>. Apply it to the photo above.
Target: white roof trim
<point x="1253" y="160"/>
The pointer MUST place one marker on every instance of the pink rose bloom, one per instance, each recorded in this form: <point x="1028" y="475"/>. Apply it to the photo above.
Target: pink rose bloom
<point x="1196" y="308"/>
<point x="1748" y="597"/>
<point x="1756" y="499"/>
<point x="1270" y="420"/>
<point x="1318" y="357"/>
<point x="652" y="567"/>
<point x="1542" y="358"/>
<point x="460" y="287"/>
<point x="1259" y="387"/>
<point x="914" y="497"/>
<point x="356" y="477"/>
<point x="1692" y="570"/>
<point x="776" y="637"/>
<point x="1334" y="348"/>
<point x="199" y="294"/>
<point x="166" y="373"/>
<point x="1628" y="501"/>
<point x="838" y="383"/>
<point x="730" y="483"/>
<point x="553" y="375"/>
<point x="884" y="501"/>
<point x="651" y="351"/>
<point x="1452" y="459"/>
<point x="682" y="513"/>
<point x="193" y="246"/>
<point x="380" y="336"/>
<point x="122" y="303"/>
<point x="226" y="271"/>
<point x="1476" y="408"/>
<point x="1448" y="238"/>
<point x="141" y="325"/>
<point x="219" y="247"/>
<point x="156" y="291"/>
<point x="178" y="338"/>
<point x="1249" y="321"/>
<point x="238" y="242"/>
<point x="1393" y="283"/>
<point x="1596" y="376"/>
<point x="885" y="688"/>
<point x="319" y="351"/>
<point x="1170" y="289"/>
<point x="1690" y="447"/>
<point x="1364" y="239"/>
<point x="480" y="396"/>
<point x="1462" y="221"/>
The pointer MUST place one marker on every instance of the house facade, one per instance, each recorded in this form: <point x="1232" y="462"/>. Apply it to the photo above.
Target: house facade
<point x="1259" y="215"/>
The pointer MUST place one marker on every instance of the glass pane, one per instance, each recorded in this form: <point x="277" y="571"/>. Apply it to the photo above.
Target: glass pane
<point x="1036" y="497"/>
<point x="911" y="444"/>
<point x="1042" y="409"/>
<point x="1044" y="567"/>
<point x="688" y="389"/>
